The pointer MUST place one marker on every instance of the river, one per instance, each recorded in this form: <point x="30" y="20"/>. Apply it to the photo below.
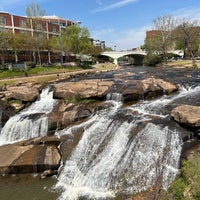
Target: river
<point x="121" y="146"/>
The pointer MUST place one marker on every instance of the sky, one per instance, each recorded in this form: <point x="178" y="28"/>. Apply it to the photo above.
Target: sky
<point x="122" y="24"/>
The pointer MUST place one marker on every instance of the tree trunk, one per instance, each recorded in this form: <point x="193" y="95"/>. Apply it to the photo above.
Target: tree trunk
<point x="34" y="57"/>
<point x="49" y="57"/>
<point x="16" y="57"/>
<point x="61" y="57"/>
<point x="192" y="57"/>
<point x="39" y="58"/>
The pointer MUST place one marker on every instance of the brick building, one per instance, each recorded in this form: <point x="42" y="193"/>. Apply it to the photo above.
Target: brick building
<point x="48" y="25"/>
<point x="152" y="33"/>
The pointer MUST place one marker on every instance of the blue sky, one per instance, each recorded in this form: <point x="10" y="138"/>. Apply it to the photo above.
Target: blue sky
<point x="118" y="22"/>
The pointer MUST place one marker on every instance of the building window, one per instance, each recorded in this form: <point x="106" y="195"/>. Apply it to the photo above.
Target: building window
<point x="39" y="26"/>
<point x="2" y="21"/>
<point x="62" y="24"/>
<point x="22" y="23"/>
<point x="54" y="29"/>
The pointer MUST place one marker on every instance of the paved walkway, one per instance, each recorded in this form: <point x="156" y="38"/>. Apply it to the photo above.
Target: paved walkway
<point x="55" y="76"/>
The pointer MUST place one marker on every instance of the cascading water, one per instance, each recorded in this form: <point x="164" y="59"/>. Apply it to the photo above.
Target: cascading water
<point x="158" y="107"/>
<point x="114" y="96"/>
<point x="31" y="122"/>
<point x="0" y="120"/>
<point x="123" y="151"/>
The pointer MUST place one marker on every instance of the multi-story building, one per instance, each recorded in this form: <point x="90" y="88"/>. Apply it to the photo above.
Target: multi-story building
<point x="48" y="25"/>
<point x="98" y="43"/>
<point x="45" y="26"/>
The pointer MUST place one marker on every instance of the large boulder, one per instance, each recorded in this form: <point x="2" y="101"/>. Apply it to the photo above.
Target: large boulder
<point x="191" y="149"/>
<point x="6" y="111"/>
<point x="93" y="88"/>
<point x="33" y="156"/>
<point x="69" y="142"/>
<point x="145" y="89"/>
<point x="187" y="114"/>
<point x="131" y="90"/>
<point x="64" y="114"/>
<point x="160" y="85"/>
<point x="27" y="93"/>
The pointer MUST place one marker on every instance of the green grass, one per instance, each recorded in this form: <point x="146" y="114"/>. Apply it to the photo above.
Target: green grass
<point x="182" y="63"/>
<point x="78" y="99"/>
<point x="187" y="185"/>
<point x="37" y="71"/>
<point x="11" y="74"/>
<point x="52" y="69"/>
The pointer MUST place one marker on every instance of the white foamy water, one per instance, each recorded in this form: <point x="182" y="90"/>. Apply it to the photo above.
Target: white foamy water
<point x="113" y="156"/>
<point x="157" y="106"/>
<point x="114" y="96"/>
<point x="31" y="122"/>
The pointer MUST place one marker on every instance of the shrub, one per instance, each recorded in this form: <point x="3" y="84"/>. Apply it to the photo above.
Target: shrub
<point x="152" y="59"/>
<point x="30" y="64"/>
<point x="177" y="188"/>
<point x="189" y="181"/>
<point x="74" y="99"/>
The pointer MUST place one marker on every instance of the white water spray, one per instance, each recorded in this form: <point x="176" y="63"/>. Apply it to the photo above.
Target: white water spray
<point x="31" y="122"/>
<point x="114" y="97"/>
<point x="157" y="106"/>
<point x="113" y="156"/>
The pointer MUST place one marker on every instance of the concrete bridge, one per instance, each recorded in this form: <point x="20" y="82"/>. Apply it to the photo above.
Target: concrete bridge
<point x="138" y="55"/>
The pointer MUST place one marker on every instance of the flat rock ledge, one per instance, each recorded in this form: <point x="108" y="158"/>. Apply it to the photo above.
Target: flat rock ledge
<point x="130" y="90"/>
<point x="187" y="114"/>
<point x="27" y="92"/>
<point x="36" y="155"/>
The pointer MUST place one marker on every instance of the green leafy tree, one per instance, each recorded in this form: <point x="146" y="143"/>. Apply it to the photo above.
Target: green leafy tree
<point x="59" y="44"/>
<point x="20" y="43"/>
<point x="95" y="51"/>
<point x="6" y="39"/>
<point x="77" y="39"/>
<point x="162" y="41"/>
<point x="187" y="38"/>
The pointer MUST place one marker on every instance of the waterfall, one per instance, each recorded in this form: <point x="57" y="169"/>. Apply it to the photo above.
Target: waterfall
<point x="31" y="122"/>
<point x="119" y="152"/>
<point x="157" y="107"/>
<point x="114" y="96"/>
<point x="0" y="119"/>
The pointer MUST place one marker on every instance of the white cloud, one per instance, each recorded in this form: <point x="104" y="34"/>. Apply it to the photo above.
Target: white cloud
<point x="131" y="38"/>
<point x="187" y="13"/>
<point x="115" y="5"/>
<point x="124" y="40"/>
<point x="98" y="34"/>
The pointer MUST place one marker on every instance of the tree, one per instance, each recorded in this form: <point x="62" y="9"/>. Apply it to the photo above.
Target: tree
<point x="6" y="39"/>
<point x="34" y="21"/>
<point x="77" y="39"/>
<point x="188" y="37"/>
<point x="20" y="43"/>
<point x="95" y="51"/>
<point x="162" y="39"/>
<point x="59" y="44"/>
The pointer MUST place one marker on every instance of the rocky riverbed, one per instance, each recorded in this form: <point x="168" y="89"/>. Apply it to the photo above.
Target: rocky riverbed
<point x="80" y="97"/>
